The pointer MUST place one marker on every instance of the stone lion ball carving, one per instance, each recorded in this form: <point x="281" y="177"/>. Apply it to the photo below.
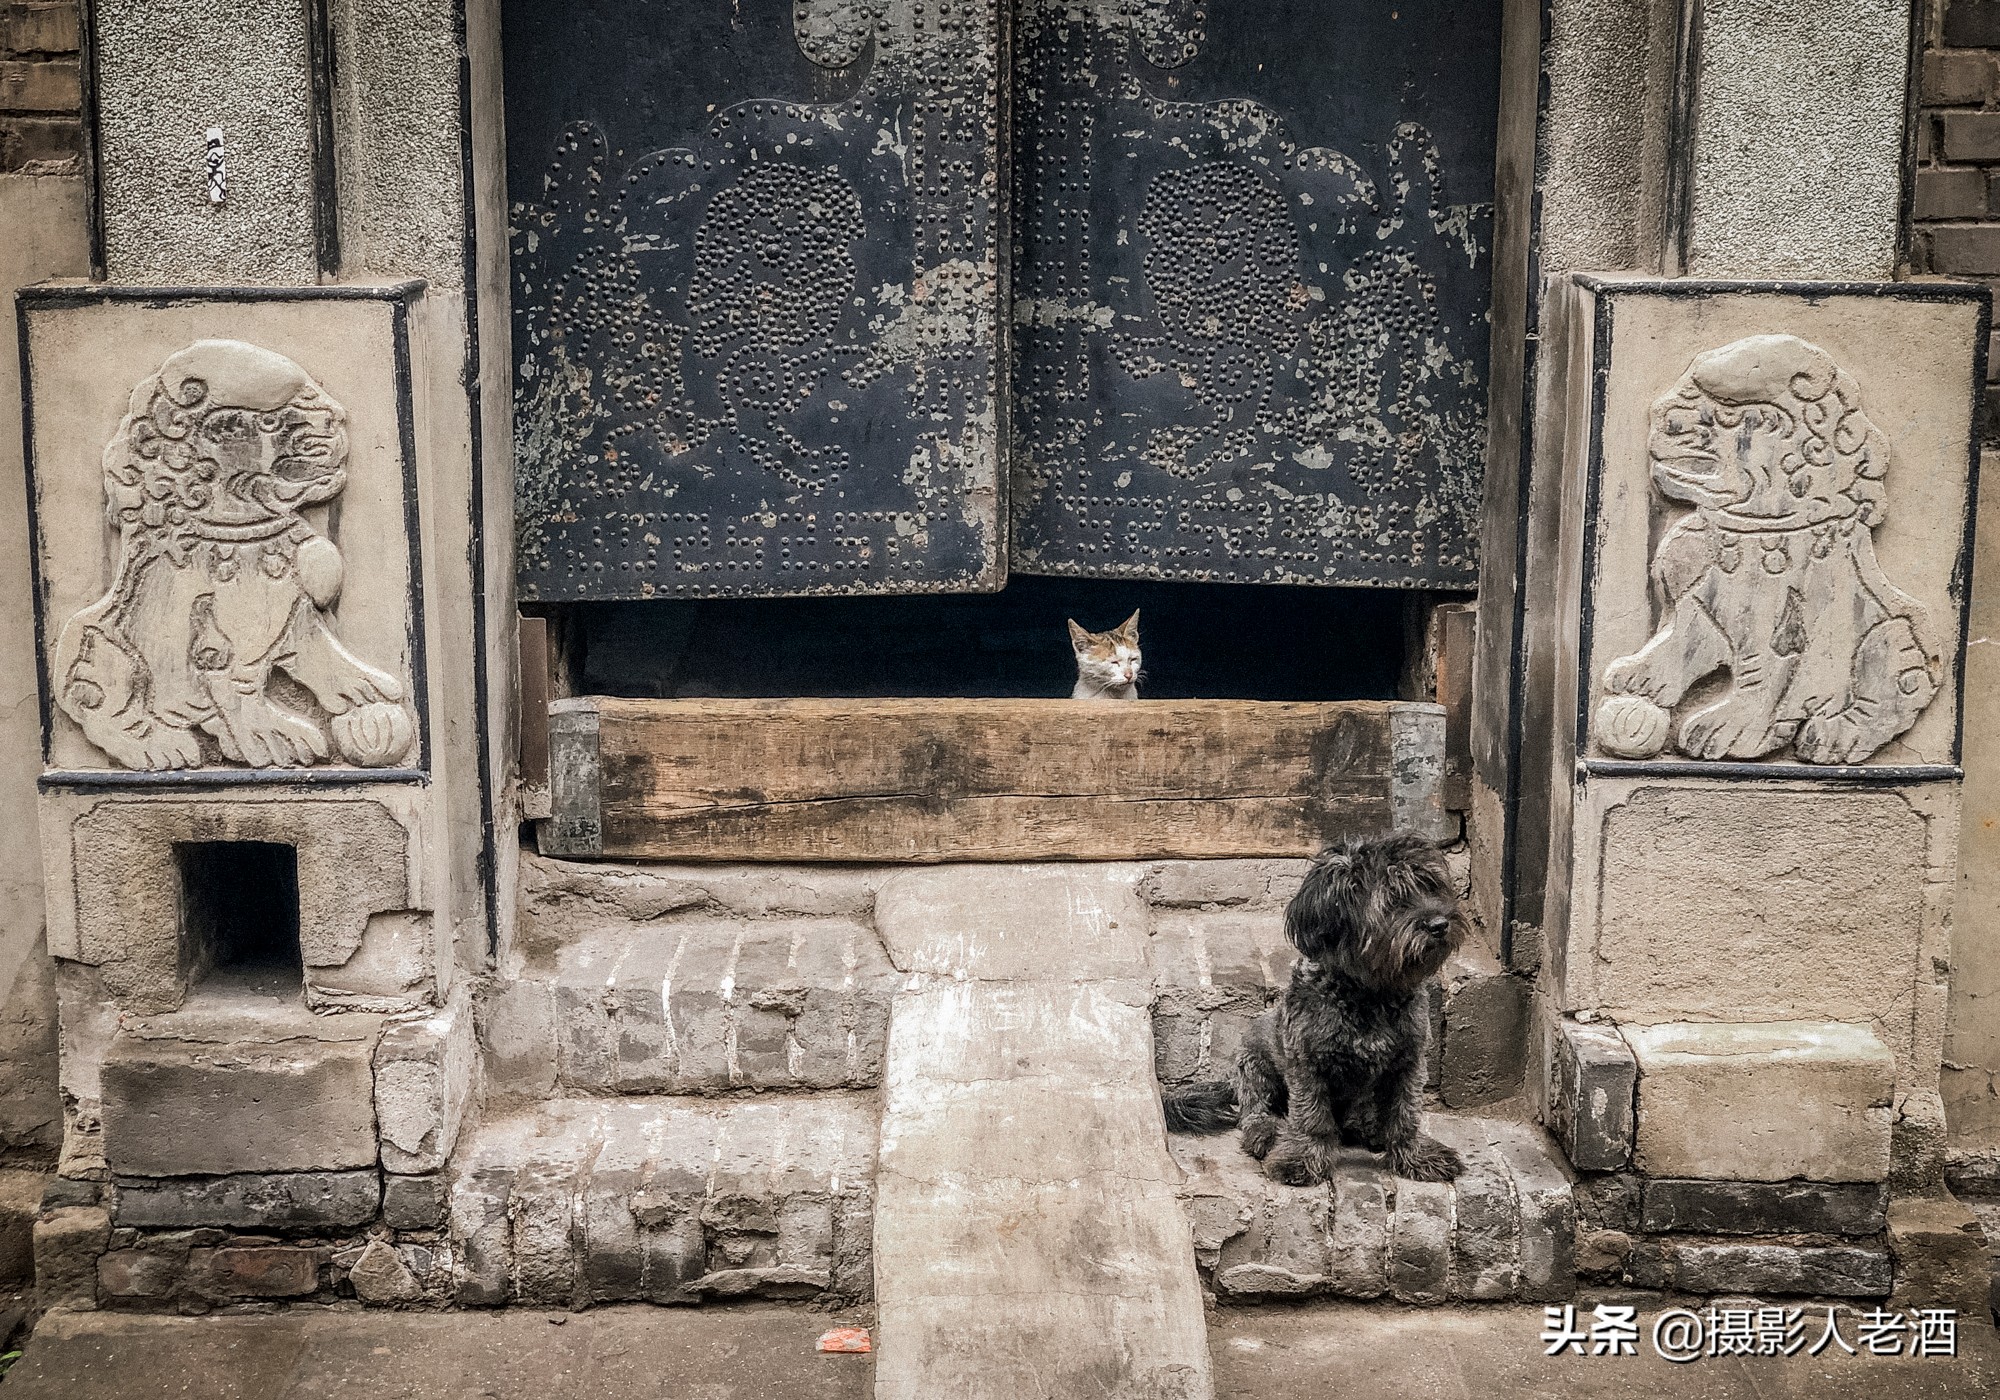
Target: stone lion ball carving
<point x="214" y="635"/>
<point x="1771" y="577"/>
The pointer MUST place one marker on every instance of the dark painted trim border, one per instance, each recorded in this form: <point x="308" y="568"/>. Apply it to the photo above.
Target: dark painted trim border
<point x="1606" y="291"/>
<point x="73" y="779"/>
<point x="326" y="186"/>
<point x="482" y="670"/>
<point x="1888" y="774"/>
<point x="92" y="143"/>
<point x="398" y="297"/>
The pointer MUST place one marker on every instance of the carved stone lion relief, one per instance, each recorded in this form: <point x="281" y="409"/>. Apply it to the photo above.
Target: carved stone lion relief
<point x="214" y="637"/>
<point x="1775" y="626"/>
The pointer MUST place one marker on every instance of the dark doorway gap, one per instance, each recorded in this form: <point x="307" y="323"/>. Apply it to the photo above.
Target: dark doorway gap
<point x="1205" y="641"/>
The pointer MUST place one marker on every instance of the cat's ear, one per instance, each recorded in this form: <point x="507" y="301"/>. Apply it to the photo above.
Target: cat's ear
<point x="1078" y="638"/>
<point x="1129" y="628"/>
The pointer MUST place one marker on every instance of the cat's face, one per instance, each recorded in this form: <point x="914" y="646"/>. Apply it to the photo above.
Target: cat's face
<point x="1107" y="660"/>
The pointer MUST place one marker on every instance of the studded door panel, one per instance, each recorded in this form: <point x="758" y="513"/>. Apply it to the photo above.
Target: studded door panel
<point x="755" y="295"/>
<point x="1252" y="263"/>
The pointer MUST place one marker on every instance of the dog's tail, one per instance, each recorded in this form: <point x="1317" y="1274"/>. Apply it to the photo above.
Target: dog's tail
<point x="1207" y="1107"/>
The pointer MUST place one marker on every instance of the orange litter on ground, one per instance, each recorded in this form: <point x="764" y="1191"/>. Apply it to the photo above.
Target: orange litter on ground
<point x="847" y="1339"/>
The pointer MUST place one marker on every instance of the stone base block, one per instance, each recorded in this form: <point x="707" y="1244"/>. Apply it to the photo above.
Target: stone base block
<point x="240" y="1085"/>
<point x="1502" y="1230"/>
<point x="1762" y="1269"/>
<point x="1481" y="1051"/>
<point x="67" y="1243"/>
<point x="1765" y="1102"/>
<point x="284" y="1201"/>
<point x="667" y="1201"/>
<point x="1215" y="970"/>
<point x="1762" y="1208"/>
<point x="423" y="1086"/>
<point x="1590" y="1094"/>
<point x="20" y="1204"/>
<point x="1941" y="1255"/>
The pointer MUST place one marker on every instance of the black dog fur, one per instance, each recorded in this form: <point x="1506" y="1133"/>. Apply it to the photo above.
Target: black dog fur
<point x="1340" y="1058"/>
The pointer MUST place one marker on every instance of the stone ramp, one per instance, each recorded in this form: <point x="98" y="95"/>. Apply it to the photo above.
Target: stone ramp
<point x="1028" y="1237"/>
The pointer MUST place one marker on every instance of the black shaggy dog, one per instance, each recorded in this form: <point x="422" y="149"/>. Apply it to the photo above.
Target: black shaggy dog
<point x="1340" y="1058"/>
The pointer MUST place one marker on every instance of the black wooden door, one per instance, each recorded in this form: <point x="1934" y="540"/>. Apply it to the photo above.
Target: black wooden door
<point x="755" y="261"/>
<point x="759" y="303"/>
<point x="1252" y="266"/>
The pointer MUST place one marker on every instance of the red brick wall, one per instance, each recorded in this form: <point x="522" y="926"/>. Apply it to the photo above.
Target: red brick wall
<point x="41" y="97"/>
<point x="1955" y="205"/>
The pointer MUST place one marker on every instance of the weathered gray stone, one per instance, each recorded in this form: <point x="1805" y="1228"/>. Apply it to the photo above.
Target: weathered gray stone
<point x="20" y="1203"/>
<point x="381" y="1277"/>
<point x="1484" y="1045"/>
<point x="250" y="1201"/>
<point x="1214" y="972"/>
<point x="1941" y="1255"/>
<point x="129" y="1275"/>
<point x="1591" y="1102"/>
<point x="781" y="1003"/>
<point x="1917" y="1144"/>
<point x="1420" y="1265"/>
<point x="415" y="1202"/>
<point x="620" y="1200"/>
<point x="481" y="1230"/>
<point x="255" y="1271"/>
<point x="68" y="1241"/>
<point x="1284" y="1250"/>
<point x="1844" y="1271"/>
<point x="1485" y="1218"/>
<point x="1358" y="1236"/>
<point x="274" y="1090"/>
<point x="1763" y="1102"/>
<point x="1193" y="884"/>
<point x="1762" y="1208"/>
<point x="423" y="1086"/>
<point x="1544" y="1196"/>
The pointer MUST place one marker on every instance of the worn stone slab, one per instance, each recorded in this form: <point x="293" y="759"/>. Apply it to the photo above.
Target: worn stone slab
<point x="1591" y="1098"/>
<point x="250" y="1201"/>
<point x="1031" y="923"/>
<point x="1763" y="1102"/>
<point x="1840" y="1271"/>
<point x="1762" y="1208"/>
<point x="243" y="1088"/>
<point x="1027" y="1236"/>
<point x="423" y="1085"/>
<point x="1481" y="1051"/>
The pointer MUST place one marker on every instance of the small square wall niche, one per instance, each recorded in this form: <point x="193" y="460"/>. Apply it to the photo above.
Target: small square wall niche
<point x="224" y="490"/>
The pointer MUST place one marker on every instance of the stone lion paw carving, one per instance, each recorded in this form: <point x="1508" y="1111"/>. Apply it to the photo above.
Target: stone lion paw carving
<point x="1771" y="576"/>
<point x="221" y="582"/>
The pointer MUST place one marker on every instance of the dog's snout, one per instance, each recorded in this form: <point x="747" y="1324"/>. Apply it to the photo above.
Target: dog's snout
<point x="1437" y="925"/>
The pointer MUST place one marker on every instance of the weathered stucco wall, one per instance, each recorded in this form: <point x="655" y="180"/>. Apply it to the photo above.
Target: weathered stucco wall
<point x="46" y="237"/>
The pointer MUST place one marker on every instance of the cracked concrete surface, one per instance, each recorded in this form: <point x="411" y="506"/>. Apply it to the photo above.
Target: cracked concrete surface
<point x="1028" y="1237"/>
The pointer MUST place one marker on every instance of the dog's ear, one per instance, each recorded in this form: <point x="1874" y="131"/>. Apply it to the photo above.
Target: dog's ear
<point x="1320" y="915"/>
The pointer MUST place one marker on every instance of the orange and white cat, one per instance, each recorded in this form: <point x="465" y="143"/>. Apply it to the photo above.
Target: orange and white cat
<point x="1107" y="663"/>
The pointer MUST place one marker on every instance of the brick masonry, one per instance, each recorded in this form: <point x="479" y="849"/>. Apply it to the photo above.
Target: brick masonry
<point x="1955" y="192"/>
<point x="41" y="90"/>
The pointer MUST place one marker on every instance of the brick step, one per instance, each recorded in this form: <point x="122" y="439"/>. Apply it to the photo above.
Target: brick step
<point x="682" y="980"/>
<point x="667" y="1200"/>
<point x="1503" y="1230"/>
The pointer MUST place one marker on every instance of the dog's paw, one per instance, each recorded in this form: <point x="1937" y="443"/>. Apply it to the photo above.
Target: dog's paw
<point x="1259" y="1134"/>
<point x="1291" y="1168"/>
<point x="1427" y="1159"/>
